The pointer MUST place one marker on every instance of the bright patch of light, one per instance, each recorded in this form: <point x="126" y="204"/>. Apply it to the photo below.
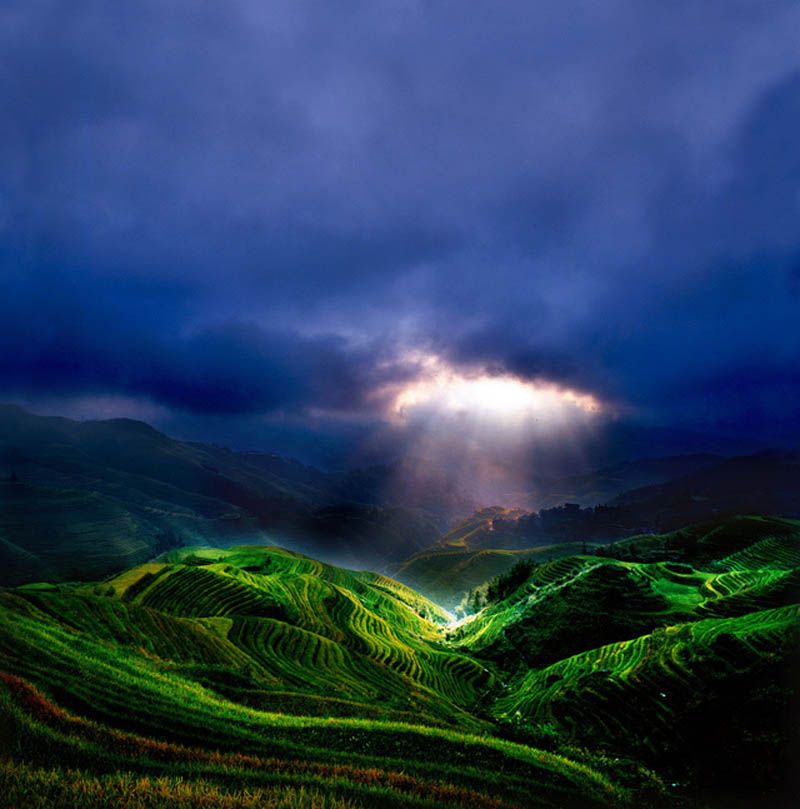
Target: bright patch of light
<point x="444" y="390"/>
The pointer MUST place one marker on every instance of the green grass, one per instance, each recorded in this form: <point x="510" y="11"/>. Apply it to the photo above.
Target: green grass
<point x="257" y="676"/>
<point x="566" y="606"/>
<point x="662" y="693"/>
<point x="187" y="731"/>
<point x="207" y="646"/>
<point x="710" y="542"/>
<point x="774" y="553"/>
<point x="446" y="574"/>
<point x="684" y="659"/>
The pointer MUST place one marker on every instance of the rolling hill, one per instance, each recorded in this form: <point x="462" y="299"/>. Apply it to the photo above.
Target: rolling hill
<point x="446" y="575"/>
<point x="261" y="671"/>
<point x="83" y="499"/>
<point x="659" y="671"/>
<point x="604" y="484"/>
<point x="645" y="646"/>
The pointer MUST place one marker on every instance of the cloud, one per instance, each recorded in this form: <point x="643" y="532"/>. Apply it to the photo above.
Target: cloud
<point x="227" y="369"/>
<point x="261" y="209"/>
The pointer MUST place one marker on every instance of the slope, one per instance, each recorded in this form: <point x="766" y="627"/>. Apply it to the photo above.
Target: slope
<point x="654" y="649"/>
<point x="705" y="701"/>
<point x="445" y="575"/>
<point x="260" y="670"/>
<point x="83" y="499"/>
<point x="222" y="674"/>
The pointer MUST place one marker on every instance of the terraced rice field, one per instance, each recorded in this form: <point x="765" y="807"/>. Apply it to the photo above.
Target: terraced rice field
<point x="744" y="591"/>
<point x="111" y="679"/>
<point x="773" y="553"/>
<point x="562" y="596"/>
<point x="638" y="689"/>
<point x="364" y="637"/>
<point x="259" y="677"/>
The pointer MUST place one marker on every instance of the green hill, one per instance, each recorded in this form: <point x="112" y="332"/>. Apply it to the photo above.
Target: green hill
<point x="637" y="657"/>
<point x="705" y="700"/>
<point x="258" y="668"/>
<point x="657" y="672"/>
<point x="447" y="574"/>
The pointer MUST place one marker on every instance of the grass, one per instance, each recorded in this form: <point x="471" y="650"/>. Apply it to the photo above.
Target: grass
<point x="446" y="574"/>
<point x="378" y="763"/>
<point x="26" y="787"/>
<point x="672" y="666"/>
<point x="200" y="646"/>
<point x="686" y="659"/>
<point x="257" y="676"/>
<point x="706" y="702"/>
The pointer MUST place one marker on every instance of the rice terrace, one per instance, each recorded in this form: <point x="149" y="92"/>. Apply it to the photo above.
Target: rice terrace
<point x="255" y="676"/>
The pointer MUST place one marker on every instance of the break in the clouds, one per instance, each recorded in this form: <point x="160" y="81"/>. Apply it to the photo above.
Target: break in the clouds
<point x="235" y="214"/>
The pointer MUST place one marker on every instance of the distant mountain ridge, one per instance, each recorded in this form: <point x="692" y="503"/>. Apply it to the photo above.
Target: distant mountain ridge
<point x="82" y="499"/>
<point x="491" y="540"/>
<point x="608" y="482"/>
<point x="765" y="483"/>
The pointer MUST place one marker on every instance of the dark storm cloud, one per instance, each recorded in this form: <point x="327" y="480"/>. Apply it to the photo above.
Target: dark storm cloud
<point x="252" y="208"/>
<point x="56" y="339"/>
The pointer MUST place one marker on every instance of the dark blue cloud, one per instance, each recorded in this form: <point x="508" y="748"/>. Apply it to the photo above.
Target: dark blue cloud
<point x="61" y="342"/>
<point x="256" y="209"/>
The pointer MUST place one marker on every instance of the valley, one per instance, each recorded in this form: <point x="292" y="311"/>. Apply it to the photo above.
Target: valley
<point x="214" y="676"/>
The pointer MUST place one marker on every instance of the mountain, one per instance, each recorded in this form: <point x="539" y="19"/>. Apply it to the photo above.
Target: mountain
<point x="767" y="482"/>
<point x="82" y="499"/>
<point x="603" y="485"/>
<point x="660" y="671"/>
<point x="491" y="540"/>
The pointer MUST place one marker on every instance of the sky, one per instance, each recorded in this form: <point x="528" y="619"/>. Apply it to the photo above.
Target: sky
<point x="359" y="230"/>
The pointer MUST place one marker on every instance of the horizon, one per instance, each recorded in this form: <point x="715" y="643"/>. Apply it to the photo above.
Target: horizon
<point x="533" y="493"/>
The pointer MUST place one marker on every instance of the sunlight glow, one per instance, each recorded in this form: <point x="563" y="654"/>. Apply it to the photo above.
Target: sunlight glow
<point x="484" y="396"/>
